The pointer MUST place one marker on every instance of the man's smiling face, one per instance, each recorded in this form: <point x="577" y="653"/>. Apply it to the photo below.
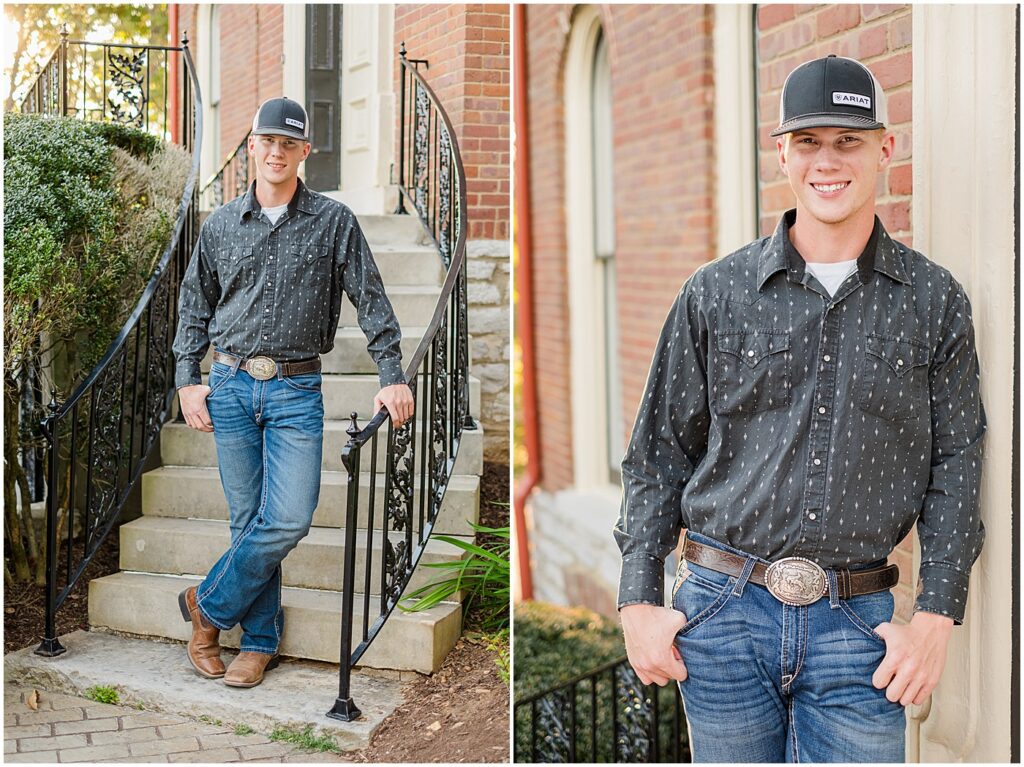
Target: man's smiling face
<point x="833" y="171"/>
<point x="278" y="157"/>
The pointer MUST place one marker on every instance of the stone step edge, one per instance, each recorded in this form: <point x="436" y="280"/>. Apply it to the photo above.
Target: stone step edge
<point x="357" y="596"/>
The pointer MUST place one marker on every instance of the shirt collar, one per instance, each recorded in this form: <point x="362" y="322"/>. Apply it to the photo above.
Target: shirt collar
<point x="879" y="254"/>
<point x="301" y="200"/>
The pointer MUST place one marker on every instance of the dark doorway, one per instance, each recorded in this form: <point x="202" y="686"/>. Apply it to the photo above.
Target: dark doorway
<point x="323" y="96"/>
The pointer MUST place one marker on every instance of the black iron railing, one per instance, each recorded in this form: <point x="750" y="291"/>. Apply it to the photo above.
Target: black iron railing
<point x="116" y="82"/>
<point x="605" y="715"/>
<point x="231" y="179"/>
<point x="99" y="438"/>
<point x="421" y="454"/>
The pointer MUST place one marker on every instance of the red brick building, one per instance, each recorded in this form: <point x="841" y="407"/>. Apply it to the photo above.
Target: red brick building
<point x="649" y="155"/>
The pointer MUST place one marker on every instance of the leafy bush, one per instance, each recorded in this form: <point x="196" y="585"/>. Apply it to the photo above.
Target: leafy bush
<point x="88" y="210"/>
<point x="555" y="644"/>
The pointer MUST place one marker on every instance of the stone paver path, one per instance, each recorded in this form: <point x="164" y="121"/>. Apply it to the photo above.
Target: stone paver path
<point x="66" y="728"/>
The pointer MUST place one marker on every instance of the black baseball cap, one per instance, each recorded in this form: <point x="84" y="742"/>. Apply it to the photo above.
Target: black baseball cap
<point x="281" y="117"/>
<point x="833" y="92"/>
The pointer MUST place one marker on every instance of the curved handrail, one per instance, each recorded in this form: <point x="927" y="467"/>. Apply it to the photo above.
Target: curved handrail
<point x="437" y="373"/>
<point x="165" y="259"/>
<point x="109" y="462"/>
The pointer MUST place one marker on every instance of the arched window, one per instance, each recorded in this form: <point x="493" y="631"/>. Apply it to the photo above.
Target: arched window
<point x="598" y="439"/>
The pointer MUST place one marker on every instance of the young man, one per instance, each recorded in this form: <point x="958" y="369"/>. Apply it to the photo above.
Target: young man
<point x="812" y="397"/>
<point x="264" y="286"/>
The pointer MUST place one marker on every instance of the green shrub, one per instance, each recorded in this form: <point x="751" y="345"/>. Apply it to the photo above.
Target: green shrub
<point x="88" y="209"/>
<point x="554" y="644"/>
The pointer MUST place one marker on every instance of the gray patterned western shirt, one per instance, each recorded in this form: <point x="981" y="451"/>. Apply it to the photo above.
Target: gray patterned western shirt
<point x="253" y="288"/>
<point x="785" y="422"/>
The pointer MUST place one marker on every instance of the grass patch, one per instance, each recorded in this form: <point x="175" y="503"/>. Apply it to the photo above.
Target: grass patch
<point x="207" y="719"/>
<point x="243" y="729"/>
<point x="103" y="694"/>
<point x="305" y="738"/>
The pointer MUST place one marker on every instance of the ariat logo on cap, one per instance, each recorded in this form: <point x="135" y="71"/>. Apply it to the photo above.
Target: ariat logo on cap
<point x="297" y="123"/>
<point x="838" y="97"/>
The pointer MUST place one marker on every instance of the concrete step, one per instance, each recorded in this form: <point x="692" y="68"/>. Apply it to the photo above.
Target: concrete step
<point x="175" y="546"/>
<point x="345" y="393"/>
<point x="182" y="446"/>
<point x="368" y="199"/>
<point x="147" y="605"/>
<point x="413" y="305"/>
<point x="192" y="491"/>
<point x="404" y="264"/>
<point x="391" y="229"/>
<point x="349" y="354"/>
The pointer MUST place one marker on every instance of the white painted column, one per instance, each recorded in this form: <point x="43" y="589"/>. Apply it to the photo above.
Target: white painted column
<point x="964" y="101"/>
<point x="735" y="129"/>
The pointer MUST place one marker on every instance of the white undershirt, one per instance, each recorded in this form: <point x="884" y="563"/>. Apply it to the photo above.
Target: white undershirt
<point x="275" y="213"/>
<point x="832" y="275"/>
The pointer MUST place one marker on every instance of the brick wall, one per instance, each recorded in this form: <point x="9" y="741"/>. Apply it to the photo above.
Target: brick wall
<point x="662" y="86"/>
<point x="468" y="49"/>
<point x="880" y="36"/>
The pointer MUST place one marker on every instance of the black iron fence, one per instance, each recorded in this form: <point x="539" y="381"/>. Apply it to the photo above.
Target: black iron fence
<point x="133" y="85"/>
<point x="100" y="436"/>
<point x="421" y="454"/>
<point x="231" y="179"/>
<point x="605" y="715"/>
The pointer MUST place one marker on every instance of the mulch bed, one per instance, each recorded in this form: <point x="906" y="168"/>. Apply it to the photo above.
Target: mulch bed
<point x="25" y="605"/>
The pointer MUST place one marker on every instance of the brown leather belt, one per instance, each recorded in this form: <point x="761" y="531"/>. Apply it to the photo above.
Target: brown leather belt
<point x="264" y="368"/>
<point x="794" y="580"/>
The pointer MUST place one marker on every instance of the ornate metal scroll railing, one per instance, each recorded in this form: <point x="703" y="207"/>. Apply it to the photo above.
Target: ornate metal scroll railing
<point x="605" y="715"/>
<point x="231" y="179"/>
<point x="421" y="454"/>
<point x="114" y="82"/>
<point x="99" y="438"/>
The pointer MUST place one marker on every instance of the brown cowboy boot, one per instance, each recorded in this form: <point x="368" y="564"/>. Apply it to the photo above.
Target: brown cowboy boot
<point x="246" y="670"/>
<point x="203" y="647"/>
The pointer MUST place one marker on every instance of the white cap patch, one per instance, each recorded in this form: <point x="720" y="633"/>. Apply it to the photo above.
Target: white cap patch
<point x="297" y="123"/>
<point x="855" y="99"/>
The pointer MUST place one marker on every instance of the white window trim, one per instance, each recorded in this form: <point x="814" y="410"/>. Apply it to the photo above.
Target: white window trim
<point x="586" y="369"/>
<point x="735" y="159"/>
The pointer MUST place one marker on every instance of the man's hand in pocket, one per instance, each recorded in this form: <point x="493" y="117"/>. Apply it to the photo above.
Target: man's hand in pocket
<point x="650" y="633"/>
<point x="193" y="406"/>
<point x="915" y="655"/>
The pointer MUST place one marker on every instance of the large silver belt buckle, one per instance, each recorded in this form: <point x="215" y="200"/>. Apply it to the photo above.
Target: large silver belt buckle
<point x="796" y="581"/>
<point x="261" y="368"/>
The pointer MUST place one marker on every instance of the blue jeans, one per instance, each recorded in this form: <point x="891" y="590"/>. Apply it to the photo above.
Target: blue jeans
<point x="269" y="437"/>
<point x="768" y="682"/>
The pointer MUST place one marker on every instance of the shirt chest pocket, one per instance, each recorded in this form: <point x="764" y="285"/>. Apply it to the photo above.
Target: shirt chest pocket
<point x="751" y="371"/>
<point x="237" y="266"/>
<point x="311" y="265"/>
<point x="893" y="381"/>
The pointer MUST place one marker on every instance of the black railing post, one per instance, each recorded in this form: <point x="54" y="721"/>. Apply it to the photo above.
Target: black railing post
<point x="400" y="208"/>
<point x="51" y="645"/>
<point x="344" y="707"/>
<point x="62" y="63"/>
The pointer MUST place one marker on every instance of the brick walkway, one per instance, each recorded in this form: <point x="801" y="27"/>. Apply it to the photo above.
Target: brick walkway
<point x="71" y="729"/>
